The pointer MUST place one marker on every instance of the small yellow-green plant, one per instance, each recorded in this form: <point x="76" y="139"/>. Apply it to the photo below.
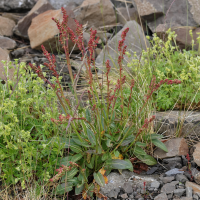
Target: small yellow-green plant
<point x="166" y="61"/>
<point x="29" y="141"/>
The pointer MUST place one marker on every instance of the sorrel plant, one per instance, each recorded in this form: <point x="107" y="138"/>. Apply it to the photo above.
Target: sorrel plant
<point x="99" y="138"/>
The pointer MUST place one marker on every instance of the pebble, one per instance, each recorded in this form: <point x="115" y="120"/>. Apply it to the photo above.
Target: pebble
<point x="127" y="187"/>
<point x="195" y="197"/>
<point x="155" y="184"/>
<point x="174" y="172"/>
<point x="124" y="196"/>
<point x="161" y="196"/>
<point x="152" y="170"/>
<point x="189" y="191"/>
<point x="181" y="177"/>
<point x="167" y="179"/>
<point x="179" y="192"/>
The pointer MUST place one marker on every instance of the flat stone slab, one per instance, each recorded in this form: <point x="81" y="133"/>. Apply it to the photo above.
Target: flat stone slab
<point x="179" y="123"/>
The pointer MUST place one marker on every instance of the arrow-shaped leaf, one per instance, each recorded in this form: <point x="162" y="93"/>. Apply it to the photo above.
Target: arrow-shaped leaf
<point x="119" y="164"/>
<point x="159" y="144"/>
<point x="98" y="177"/>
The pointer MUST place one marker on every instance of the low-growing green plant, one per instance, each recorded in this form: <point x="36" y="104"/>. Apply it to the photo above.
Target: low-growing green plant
<point x="166" y="61"/>
<point x="100" y="137"/>
<point x="29" y="140"/>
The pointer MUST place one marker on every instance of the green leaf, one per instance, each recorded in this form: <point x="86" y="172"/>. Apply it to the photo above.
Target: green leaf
<point x="76" y="148"/>
<point x="159" y="144"/>
<point x="139" y="150"/>
<point x="156" y="136"/>
<point x="76" y="157"/>
<point x="91" y="164"/>
<point x="69" y="175"/>
<point x="79" y="188"/>
<point x="88" y="115"/>
<point x="98" y="177"/>
<point x="116" y="153"/>
<point x="63" y="188"/>
<point x="108" y="143"/>
<point x="131" y="169"/>
<point x="128" y="140"/>
<point x="119" y="164"/>
<point x="106" y="156"/>
<point x="81" y="143"/>
<point x="149" y="160"/>
<point x="73" y="146"/>
<point x="91" y="136"/>
<point x="140" y="144"/>
<point x="65" y="160"/>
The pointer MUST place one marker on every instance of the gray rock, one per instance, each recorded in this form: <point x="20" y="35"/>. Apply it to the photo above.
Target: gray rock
<point x="168" y="121"/>
<point x="196" y="153"/>
<point x="18" y="53"/>
<point x="113" y="193"/>
<point x="167" y="179"/>
<point x="21" y="29"/>
<point x="124" y="196"/>
<point x="115" y="180"/>
<point x="195" y="197"/>
<point x="179" y="192"/>
<point x="186" y="198"/>
<point x="189" y="191"/>
<point x="65" y="3"/>
<point x="155" y="184"/>
<point x="169" y="188"/>
<point x="161" y="196"/>
<point x="174" y="172"/>
<point x="7" y="43"/>
<point x="4" y="55"/>
<point x="154" y="12"/>
<point x="172" y="163"/>
<point x="89" y="12"/>
<point x="6" y="26"/>
<point x="127" y="187"/>
<point x="152" y="170"/>
<point x="6" y="5"/>
<point x="175" y="146"/>
<point x="135" y="42"/>
<point x="181" y="177"/>
<point x="170" y="195"/>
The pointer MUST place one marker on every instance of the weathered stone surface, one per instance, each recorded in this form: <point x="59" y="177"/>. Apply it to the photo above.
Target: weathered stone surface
<point x="169" y="188"/>
<point x="6" y="26"/>
<point x="169" y="123"/>
<point x="194" y="186"/>
<point x="179" y="192"/>
<point x="176" y="147"/>
<point x="135" y="41"/>
<point x="64" y="3"/>
<point x="196" y="154"/>
<point x="149" y="9"/>
<point x="161" y="196"/>
<point x="197" y="178"/>
<point x="6" y="5"/>
<point x="5" y="56"/>
<point x="7" y="43"/>
<point x="43" y="30"/>
<point x="21" y="29"/>
<point x="115" y="180"/>
<point x="14" y="16"/>
<point x="175" y="11"/>
<point x="96" y="13"/>
<point x="183" y="39"/>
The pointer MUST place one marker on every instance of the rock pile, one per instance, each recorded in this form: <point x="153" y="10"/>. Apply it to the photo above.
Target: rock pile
<point x="172" y="178"/>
